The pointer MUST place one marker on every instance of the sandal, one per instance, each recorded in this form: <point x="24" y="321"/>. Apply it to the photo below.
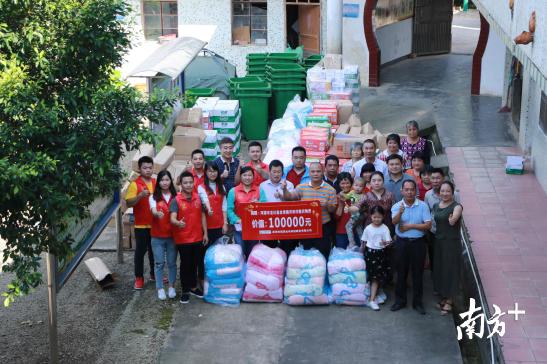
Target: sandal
<point x="446" y="309"/>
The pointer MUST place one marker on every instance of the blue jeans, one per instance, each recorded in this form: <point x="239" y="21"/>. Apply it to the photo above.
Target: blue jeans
<point x="246" y="245"/>
<point x="162" y="248"/>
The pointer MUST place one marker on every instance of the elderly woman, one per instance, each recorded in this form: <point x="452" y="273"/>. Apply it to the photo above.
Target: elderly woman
<point x="356" y="151"/>
<point x="447" y="215"/>
<point x="413" y="143"/>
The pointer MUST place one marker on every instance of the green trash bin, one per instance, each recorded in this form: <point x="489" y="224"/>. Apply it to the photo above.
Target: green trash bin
<point x="254" y="99"/>
<point x="282" y="95"/>
<point x="234" y="81"/>
<point x="191" y="95"/>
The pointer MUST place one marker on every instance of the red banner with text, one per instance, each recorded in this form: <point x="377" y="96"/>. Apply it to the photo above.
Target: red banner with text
<point x="281" y="220"/>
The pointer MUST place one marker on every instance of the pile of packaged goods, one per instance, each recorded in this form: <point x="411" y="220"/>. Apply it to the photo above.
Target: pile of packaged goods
<point x="305" y="282"/>
<point x="264" y="274"/>
<point x="315" y="139"/>
<point x="348" y="277"/>
<point x="210" y="145"/>
<point x="281" y="140"/>
<point x="226" y="117"/>
<point x="328" y="80"/>
<point x="224" y="274"/>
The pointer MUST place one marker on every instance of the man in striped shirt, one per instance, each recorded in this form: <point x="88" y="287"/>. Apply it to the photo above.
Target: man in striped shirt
<point x="316" y="189"/>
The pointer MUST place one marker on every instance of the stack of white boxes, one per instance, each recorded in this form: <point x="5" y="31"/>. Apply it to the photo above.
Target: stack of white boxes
<point x="207" y="105"/>
<point x="210" y="146"/>
<point x="225" y="118"/>
<point x="353" y="83"/>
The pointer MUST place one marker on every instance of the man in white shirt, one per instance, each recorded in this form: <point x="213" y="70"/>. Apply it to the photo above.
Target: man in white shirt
<point x="271" y="190"/>
<point x="369" y="150"/>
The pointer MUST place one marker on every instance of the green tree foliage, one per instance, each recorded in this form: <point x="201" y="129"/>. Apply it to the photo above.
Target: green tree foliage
<point x="64" y="117"/>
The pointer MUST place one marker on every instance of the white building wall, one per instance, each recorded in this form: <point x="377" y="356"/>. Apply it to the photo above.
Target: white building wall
<point x="218" y="12"/>
<point x="531" y="138"/>
<point x="499" y="10"/>
<point x="493" y="66"/>
<point x="354" y="45"/>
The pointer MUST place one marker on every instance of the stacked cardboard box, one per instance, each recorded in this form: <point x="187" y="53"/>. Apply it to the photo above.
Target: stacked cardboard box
<point x="207" y="105"/>
<point x="210" y="145"/>
<point x="328" y="80"/>
<point x="225" y="118"/>
<point x="185" y="140"/>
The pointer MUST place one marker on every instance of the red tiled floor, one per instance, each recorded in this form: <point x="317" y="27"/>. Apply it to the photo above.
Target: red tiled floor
<point x="505" y="216"/>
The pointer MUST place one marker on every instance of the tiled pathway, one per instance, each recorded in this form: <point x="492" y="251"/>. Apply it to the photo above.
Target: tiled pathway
<point x="506" y="216"/>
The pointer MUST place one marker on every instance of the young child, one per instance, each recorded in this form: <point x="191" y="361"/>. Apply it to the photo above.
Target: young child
<point x="137" y="197"/>
<point x="356" y="194"/>
<point x="190" y="234"/>
<point x="356" y="151"/>
<point x="162" y="240"/>
<point x="425" y="182"/>
<point x="342" y="216"/>
<point x="375" y="238"/>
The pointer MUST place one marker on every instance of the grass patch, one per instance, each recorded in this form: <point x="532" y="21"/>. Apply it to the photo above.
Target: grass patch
<point x="166" y="317"/>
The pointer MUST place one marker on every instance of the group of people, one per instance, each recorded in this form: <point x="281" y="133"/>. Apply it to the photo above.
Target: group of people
<point x="392" y="205"/>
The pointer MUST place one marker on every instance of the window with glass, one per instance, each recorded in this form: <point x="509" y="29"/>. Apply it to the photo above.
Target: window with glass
<point x="249" y="22"/>
<point x="159" y="18"/>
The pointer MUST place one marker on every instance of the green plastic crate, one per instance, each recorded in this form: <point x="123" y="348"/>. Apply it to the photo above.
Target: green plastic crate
<point x="192" y="94"/>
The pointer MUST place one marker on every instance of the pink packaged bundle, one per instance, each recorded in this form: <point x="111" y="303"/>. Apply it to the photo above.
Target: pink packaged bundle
<point x="265" y="274"/>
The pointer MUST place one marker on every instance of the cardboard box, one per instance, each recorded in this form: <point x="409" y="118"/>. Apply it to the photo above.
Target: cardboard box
<point x="100" y="272"/>
<point x="355" y="130"/>
<point x="206" y="104"/>
<point x="177" y="167"/>
<point x="144" y="150"/>
<point x="210" y="138"/>
<point x="367" y="129"/>
<point x="345" y="109"/>
<point x="189" y="117"/>
<point x="354" y="120"/>
<point x="332" y="61"/>
<point x="343" y="129"/>
<point x="342" y="143"/>
<point x="225" y="108"/>
<point x="185" y="140"/>
<point x="164" y="158"/>
<point x="380" y="140"/>
<point x="128" y="235"/>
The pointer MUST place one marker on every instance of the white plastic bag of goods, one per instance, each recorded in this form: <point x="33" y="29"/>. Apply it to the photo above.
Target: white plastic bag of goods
<point x="298" y="109"/>
<point x="264" y="274"/>
<point x="282" y="125"/>
<point x="299" y="288"/>
<point x="347" y="277"/>
<point x="224" y="274"/>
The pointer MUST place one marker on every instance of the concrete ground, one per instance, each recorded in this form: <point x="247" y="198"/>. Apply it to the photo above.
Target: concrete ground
<point x="277" y="333"/>
<point x="466" y="27"/>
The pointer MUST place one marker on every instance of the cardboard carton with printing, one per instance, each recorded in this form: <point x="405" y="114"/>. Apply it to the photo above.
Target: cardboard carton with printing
<point x="185" y="140"/>
<point x="164" y="158"/>
<point x="190" y="118"/>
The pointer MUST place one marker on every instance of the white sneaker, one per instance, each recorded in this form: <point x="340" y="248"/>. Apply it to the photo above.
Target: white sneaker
<point x="374" y="305"/>
<point x="381" y="298"/>
<point x="172" y="293"/>
<point x="161" y="294"/>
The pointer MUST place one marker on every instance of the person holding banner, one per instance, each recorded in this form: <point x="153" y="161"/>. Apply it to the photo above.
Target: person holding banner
<point x="244" y="192"/>
<point x="189" y="228"/>
<point x="272" y="191"/>
<point x="321" y="191"/>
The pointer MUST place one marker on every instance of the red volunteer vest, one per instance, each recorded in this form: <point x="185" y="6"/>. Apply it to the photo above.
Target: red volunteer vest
<point x="240" y="196"/>
<point x="191" y="211"/>
<point x="215" y="200"/>
<point x="161" y="228"/>
<point x="197" y="180"/>
<point x="141" y="211"/>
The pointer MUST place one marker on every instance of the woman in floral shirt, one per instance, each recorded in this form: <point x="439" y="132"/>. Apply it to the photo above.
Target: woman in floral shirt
<point x="413" y="143"/>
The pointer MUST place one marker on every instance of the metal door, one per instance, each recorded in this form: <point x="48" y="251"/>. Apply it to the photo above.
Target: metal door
<point x="432" y="27"/>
